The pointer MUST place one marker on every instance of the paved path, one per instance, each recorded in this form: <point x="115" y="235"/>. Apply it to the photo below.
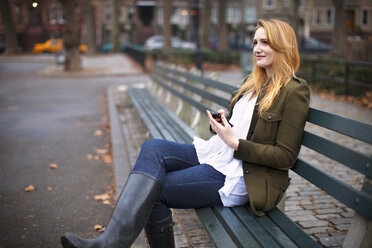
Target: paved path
<point x="54" y="136"/>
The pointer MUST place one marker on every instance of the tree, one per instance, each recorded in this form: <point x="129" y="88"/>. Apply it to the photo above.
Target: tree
<point x="167" y="46"/>
<point x="206" y="23"/>
<point x="72" y="35"/>
<point x="116" y="29"/>
<point x="89" y="25"/>
<point x="11" y="42"/>
<point x="339" y="29"/>
<point x="296" y="4"/>
<point x="223" y="34"/>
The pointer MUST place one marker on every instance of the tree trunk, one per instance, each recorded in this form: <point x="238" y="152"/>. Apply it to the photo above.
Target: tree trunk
<point x="339" y="29"/>
<point x="11" y="43"/>
<point x="296" y="5"/>
<point x="167" y="46"/>
<point x="223" y="35"/>
<point x="206" y="24"/>
<point x="89" y="25"/>
<point x="116" y="26"/>
<point x="72" y="36"/>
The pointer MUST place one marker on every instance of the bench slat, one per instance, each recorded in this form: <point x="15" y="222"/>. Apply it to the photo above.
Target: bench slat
<point x="147" y="106"/>
<point x="204" y="94"/>
<point x="164" y="125"/>
<point x="145" y="117"/>
<point x="206" y="81"/>
<point x="267" y="233"/>
<point x="291" y="229"/>
<point x="236" y="228"/>
<point x="216" y="230"/>
<point x="242" y="215"/>
<point x="351" y="128"/>
<point x="339" y="153"/>
<point x="182" y="133"/>
<point x="357" y="200"/>
<point x="201" y="107"/>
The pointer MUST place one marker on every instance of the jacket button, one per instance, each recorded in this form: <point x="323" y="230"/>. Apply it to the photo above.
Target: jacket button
<point x="251" y="131"/>
<point x="269" y="117"/>
<point x="247" y="172"/>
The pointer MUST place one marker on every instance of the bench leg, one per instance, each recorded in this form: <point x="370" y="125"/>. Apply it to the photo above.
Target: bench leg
<point x="359" y="234"/>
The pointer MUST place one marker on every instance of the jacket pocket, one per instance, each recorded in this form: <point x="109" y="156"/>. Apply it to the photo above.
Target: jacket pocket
<point x="275" y="190"/>
<point x="267" y="125"/>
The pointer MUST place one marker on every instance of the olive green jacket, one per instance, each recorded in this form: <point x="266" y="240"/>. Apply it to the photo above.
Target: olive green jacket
<point x="272" y="145"/>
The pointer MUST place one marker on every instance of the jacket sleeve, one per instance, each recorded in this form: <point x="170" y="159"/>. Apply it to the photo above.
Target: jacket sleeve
<point x="282" y="154"/>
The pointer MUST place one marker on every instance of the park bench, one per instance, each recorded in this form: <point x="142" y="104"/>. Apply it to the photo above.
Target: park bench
<point x="188" y="96"/>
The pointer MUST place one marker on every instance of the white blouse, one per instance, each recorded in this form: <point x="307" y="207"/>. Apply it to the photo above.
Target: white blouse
<point x="221" y="157"/>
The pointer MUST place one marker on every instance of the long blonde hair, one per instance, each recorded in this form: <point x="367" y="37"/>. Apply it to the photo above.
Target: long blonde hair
<point x="282" y="40"/>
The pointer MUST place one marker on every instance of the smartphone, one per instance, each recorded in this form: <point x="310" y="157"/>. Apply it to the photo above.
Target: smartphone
<point x="217" y="117"/>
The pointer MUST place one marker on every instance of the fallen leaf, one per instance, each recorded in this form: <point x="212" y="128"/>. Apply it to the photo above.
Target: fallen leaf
<point x="107" y="202"/>
<point x="102" y="197"/>
<point x="12" y="108"/>
<point x="101" y="151"/>
<point x="89" y="156"/>
<point x="99" y="228"/>
<point x="96" y="157"/>
<point x="50" y="188"/>
<point x="30" y="188"/>
<point x="53" y="166"/>
<point x="98" y="132"/>
<point x="107" y="158"/>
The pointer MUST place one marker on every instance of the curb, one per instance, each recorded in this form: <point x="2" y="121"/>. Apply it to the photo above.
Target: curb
<point x="58" y="72"/>
<point x="120" y="162"/>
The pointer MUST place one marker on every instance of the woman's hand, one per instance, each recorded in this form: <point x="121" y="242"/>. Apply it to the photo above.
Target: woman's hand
<point x="224" y="130"/>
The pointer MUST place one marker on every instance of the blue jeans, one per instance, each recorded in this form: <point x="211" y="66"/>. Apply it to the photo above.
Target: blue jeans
<point x="186" y="182"/>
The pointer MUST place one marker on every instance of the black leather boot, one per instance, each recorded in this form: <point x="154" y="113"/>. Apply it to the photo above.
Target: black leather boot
<point x="160" y="234"/>
<point x="130" y="215"/>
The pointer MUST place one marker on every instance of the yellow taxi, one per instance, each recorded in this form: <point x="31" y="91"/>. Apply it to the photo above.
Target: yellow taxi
<point x="52" y="46"/>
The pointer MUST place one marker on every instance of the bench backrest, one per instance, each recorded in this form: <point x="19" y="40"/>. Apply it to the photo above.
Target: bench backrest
<point x="358" y="200"/>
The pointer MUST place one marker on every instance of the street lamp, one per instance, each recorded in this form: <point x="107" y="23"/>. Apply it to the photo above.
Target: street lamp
<point x="194" y="12"/>
<point x="35" y="4"/>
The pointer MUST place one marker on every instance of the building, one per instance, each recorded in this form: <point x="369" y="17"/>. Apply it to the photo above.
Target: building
<point x="140" y="19"/>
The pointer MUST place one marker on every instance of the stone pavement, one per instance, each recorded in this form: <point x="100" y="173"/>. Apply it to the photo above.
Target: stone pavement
<point x="317" y="213"/>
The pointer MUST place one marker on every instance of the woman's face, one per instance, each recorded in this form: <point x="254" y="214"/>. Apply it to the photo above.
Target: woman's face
<point x="262" y="51"/>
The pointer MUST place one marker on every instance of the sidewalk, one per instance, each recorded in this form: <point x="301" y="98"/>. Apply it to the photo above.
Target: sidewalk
<point x="101" y="65"/>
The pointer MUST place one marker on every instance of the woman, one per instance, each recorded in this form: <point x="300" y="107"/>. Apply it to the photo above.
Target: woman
<point x="246" y="162"/>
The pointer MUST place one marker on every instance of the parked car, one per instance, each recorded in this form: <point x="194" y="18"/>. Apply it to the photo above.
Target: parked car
<point x="54" y="45"/>
<point x="107" y="47"/>
<point x="156" y="43"/>
<point x="312" y="44"/>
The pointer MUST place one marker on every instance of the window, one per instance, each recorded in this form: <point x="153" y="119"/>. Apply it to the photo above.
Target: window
<point x="329" y="17"/>
<point x="108" y="13"/>
<point x="323" y="16"/>
<point x="317" y="16"/>
<point x="53" y="13"/>
<point x="366" y="15"/>
<point x="286" y="4"/>
<point x="18" y="13"/>
<point x="302" y="4"/>
<point x="269" y="4"/>
<point x="233" y="15"/>
<point x="160" y="16"/>
<point x="214" y="15"/>
<point x="250" y="15"/>
<point x="56" y="15"/>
